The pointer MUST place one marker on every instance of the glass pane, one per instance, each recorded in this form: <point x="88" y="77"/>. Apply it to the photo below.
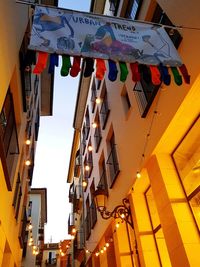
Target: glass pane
<point x="162" y="248"/>
<point x="195" y="205"/>
<point x="187" y="159"/>
<point x="152" y="208"/>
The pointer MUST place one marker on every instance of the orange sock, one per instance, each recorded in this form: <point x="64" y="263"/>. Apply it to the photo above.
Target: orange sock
<point x="41" y="62"/>
<point x="100" y="68"/>
<point x="155" y="75"/>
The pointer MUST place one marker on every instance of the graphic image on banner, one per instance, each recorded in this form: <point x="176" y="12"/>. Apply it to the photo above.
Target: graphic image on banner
<point x="75" y="33"/>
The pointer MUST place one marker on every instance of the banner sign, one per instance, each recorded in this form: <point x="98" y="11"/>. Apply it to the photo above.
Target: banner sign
<point x="74" y="33"/>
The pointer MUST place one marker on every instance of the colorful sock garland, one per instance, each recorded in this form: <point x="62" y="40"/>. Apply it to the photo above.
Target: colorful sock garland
<point x="151" y="74"/>
<point x="66" y="65"/>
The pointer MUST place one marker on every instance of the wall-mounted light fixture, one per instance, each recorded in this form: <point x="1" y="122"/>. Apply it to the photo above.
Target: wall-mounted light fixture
<point x="120" y="212"/>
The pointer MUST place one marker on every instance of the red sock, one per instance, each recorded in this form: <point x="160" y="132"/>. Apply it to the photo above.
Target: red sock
<point x="75" y="67"/>
<point x="185" y="74"/>
<point x="155" y="75"/>
<point x="100" y="68"/>
<point x="41" y="62"/>
<point x="135" y="72"/>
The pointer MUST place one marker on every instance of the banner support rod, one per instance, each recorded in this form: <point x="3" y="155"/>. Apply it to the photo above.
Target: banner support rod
<point x="121" y="18"/>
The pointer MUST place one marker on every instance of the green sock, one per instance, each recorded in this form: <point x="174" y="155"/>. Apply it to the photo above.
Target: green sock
<point x="177" y="76"/>
<point x="124" y="71"/>
<point x="66" y="65"/>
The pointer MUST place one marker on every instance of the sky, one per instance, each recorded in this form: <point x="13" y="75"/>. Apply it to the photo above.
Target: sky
<point x="54" y="147"/>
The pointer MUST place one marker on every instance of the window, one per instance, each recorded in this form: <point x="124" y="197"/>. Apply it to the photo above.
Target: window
<point x="133" y="9"/>
<point x="157" y="230"/>
<point x="112" y="161"/>
<point x="187" y="161"/>
<point x="145" y="94"/>
<point x="23" y="233"/>
<point x="17" y="196"/>
<point x="9" y="148"/>
<point x="87" y="220"/>
<point x="88" y="164"/>
<point x="125" y="100"/>
<point x="87" y="123"/>
<point x="114" y="5"/>
<point x="104" y="111"/>
<point x="37" y="123"/>
<point x="83" y="143"/>
<point x="93" y="210"/>
<point x="159" y="16"/>
<point x="97" y="133"/>
<point x="93" y="96"/>
<point x="103" y="184"/>
<point x="144" y="91"/>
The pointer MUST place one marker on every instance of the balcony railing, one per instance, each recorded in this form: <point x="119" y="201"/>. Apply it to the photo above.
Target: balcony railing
<point x="9" y="148"/>
<point x="93" y="213"/>
<point x="104" y="112"/>
<point x="97" y="138"/>
<point x="113" y="165"/>
<point x="103" y="184"/>
<point x="71" y="223"/>
<point x="145" y="94"/>
<point x="88" y="225"/>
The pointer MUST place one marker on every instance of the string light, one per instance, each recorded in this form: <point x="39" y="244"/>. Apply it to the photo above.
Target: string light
<point x="138" y="174"/>
<point x="94" y="125"/>
<point x="27" y="162"/>
<point x="98" y="100"/>
<point x="28" y="142"/>
<point x="84" y="183"/>
<point x="74" y="230"/>
<point x="87" y="167"/>
<point x="90" y="148"/>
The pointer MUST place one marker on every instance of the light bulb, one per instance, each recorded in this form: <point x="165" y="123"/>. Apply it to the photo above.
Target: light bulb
<point x="30" y="226"/>
<point x="138" y="175"/>
<point x="87" y="168"/>
<point x="72" y="237"/>
<point x="105" y="248"/>
<point x="97" y="254"/>
<point x="122" y="215"/>
<point x="87" y="251"/>
<point x="107" y="245"/>
<point x="28" y="142"/>
<point x="117" y="225"/>
<point x="94" y="125"/>
<point x="102" y="251"/>
<point x="98" y="100"/>
<point x="62" y="254"/>
<point x="90" y="148"/>
<point x="84" y="183"/>
<point x="74" y="230"/>
<point x="28" y="162"/>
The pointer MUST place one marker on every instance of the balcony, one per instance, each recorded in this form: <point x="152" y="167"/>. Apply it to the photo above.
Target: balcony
<point x="113" y="165"/>
<point x="71" y="193"/>
<point x="87" y="225"/>
<point x="51" y="262"/>
<point x="104" y="112"/>
<point x="93" y="213"/>
<point x="79" y="246"/>
<point x="77" y="166"/>
<point x="145" y="94"/>
<point x="71" y="223"/>
<point x="97" y="138"/>
<point x="103" y="182"/>
<point x="9" y="148"/>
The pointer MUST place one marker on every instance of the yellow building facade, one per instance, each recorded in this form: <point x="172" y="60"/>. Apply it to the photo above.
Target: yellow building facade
<point x="22" y="101"/>
<point x="145" y="147"/>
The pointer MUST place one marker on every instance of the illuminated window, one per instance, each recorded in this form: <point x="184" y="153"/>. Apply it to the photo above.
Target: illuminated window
<point x="157" y="230"/>
<point x="187" y="160"/>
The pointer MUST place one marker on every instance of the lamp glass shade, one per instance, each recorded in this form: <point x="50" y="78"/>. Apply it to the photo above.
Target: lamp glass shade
<point x="100" y="198"/>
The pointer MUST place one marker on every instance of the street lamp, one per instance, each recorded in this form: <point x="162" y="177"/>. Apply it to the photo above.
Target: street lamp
<point x="120" y="211"/>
